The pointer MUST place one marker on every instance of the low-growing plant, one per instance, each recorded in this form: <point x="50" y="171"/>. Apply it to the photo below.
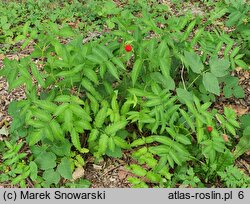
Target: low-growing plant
<point x="234" y="178"/>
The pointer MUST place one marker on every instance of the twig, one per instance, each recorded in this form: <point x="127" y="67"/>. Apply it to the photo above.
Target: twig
<point x="112" y="169"/>
<point x="182" y="77"/>
<point x="92" y="36"/>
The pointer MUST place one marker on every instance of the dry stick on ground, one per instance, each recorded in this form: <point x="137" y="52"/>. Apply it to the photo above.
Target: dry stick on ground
<point x="182" y="77"/>
<point x="92" y="36"/>
<point x="112" y="169"/>
<point x="30" y="183"/>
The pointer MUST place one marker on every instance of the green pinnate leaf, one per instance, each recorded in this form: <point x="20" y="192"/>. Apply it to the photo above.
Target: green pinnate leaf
<point x="138" y="170"/>
<point x="75" y="139"/>
<point x="112" y="129"/>
<point x="33" y="171"/>
<point x="35" y="137"/>
<point x="112" y="69"/>
<point x="136" y="70"/>
<point x="121" y="142"/>
<point x="153" y="177"/>
<point x="103" y="144"/>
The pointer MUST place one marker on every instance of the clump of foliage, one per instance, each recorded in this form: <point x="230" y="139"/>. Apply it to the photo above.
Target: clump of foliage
<point x="81" y="99"/>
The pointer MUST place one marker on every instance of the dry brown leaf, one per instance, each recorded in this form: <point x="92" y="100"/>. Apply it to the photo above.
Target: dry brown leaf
<point x="225" y="137"/>
<point x="2" y="56"/>
<point x="240" y="110"/>
<point x="122" y="174"/>
<point x="97" y="167"/>
<point x="4" y="131"/>
<point x="78" y="173"/>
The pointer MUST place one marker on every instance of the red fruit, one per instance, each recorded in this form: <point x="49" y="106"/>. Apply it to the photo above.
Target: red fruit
<point x="209" y="128"/>
<point x="128" y="48"/>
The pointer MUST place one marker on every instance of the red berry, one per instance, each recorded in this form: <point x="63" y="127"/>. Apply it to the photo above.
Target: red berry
<point x="209" y="128"/>
<point x="128" y="48"/>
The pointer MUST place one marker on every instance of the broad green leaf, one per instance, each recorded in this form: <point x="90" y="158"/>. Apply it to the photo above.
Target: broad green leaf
<point x="81" y="183"/>
<point x="199" y="130"/>
<point x="47" y="160"/>
<point x="66" y="31"/>
<point x="219" y="67"/>
<point x="51" y="176"/>
<point x="184" y="95"/>
<point x="194" y="62"/>
<point x="138" y="153"/>
<point x="61" y="148"/>
<point x="64" y="168"/>
<point x="242" y="64"/>
<point x="188" y="30"/>
<point x="211" y="83"/>
<point x="238" y="92"/>
<point x="180" y="148"/>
